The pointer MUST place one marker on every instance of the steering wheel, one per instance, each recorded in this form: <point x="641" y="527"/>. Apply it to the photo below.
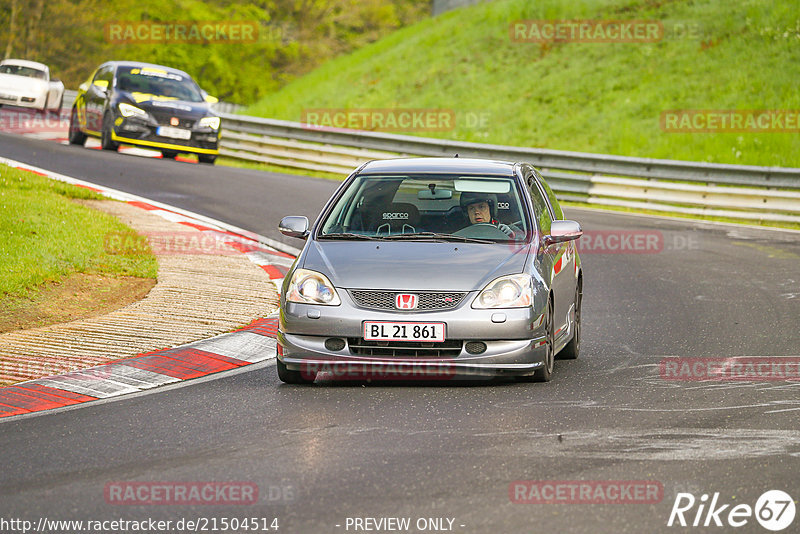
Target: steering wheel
<point x="482" y="230"/>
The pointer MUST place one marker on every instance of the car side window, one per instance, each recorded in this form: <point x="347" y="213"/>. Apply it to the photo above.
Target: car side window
<point x="103" y="77"/>
<point x="553" y="200"/>
<point x="541" y="211"/>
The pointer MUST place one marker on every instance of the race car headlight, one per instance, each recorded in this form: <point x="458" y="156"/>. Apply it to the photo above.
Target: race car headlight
<point x="210" y="122"/>
<point x="512" y="291"/>
<point x="311" y="287"/>
<point x="127" y="110"/>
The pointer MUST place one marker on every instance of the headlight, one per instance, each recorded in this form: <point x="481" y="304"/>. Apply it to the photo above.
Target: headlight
<point x="310" y="287"/>
<point x="210" y="122"/>
<point x="512" y="291"/>
<point x="127" y="110"/>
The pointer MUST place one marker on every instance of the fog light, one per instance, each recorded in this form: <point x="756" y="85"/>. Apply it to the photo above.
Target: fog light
<point x="476" y="347"/>
<point x="334" y="343"/>
<point x="28" y="99"/>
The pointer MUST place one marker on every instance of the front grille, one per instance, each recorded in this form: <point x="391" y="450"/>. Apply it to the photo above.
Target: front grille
<point x="163" y="119"/>
<point x="405" y="349"/>
<point x="428" y="301"/>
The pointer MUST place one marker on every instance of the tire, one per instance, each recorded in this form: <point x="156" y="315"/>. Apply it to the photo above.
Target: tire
<point x="76" y="136"/>
<point x="57" y="112"/>
<point x="169" y="154"/>
<point x="207" y="158"/>
<point x="571" y="351"/>
<point x="106" y="143"/>
<point x="293" y="377"/>
<point x="546" y="373"/>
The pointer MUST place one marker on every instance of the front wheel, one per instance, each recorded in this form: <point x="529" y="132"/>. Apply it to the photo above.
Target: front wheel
<point x="106" y="143"/>
<point x="56" y="113"/>
<point x="571" y="351"/>
<point x="546" y="372"/>
<point x="76" y="136"/>
<point x="207" y="158"/>
<point x="294" y="377"/>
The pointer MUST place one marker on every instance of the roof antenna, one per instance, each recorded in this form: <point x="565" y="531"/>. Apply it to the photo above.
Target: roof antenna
<point x="456" y="155"/>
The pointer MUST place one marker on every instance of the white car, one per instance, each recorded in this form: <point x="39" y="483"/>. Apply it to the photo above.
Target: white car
<point x="28" y="84"/>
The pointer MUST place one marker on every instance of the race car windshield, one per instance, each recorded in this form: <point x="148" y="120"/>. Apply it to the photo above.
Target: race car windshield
<point x="158" y="82"/>
<point x="18" y="70"/>
<point x="430" y="208"/>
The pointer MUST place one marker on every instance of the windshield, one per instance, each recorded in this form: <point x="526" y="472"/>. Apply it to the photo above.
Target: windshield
<point x="18" y="70"/>
<point x="158" y="82"/>
<point x="429" y="207"/>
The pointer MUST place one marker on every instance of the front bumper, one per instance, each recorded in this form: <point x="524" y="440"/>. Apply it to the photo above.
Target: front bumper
<point x="139" y="132"/>
<point x="23" y="100"/>
<point x="513" y="339"/>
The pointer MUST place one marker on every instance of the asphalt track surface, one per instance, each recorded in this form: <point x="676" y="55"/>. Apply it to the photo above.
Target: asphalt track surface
<point x="333" y="451"/>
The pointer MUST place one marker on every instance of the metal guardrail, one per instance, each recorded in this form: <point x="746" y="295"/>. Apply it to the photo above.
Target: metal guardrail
<point x="735" y="191"/>
<point x="69" y="98"/>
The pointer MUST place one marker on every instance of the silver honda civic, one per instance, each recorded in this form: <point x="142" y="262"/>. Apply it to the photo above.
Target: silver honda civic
<point x="432" y="268"/>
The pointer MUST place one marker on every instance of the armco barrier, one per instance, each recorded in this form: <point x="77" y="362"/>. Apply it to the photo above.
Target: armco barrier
<point x="735" y="191"/>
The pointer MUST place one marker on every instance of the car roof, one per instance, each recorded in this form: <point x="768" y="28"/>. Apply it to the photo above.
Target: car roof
<point x="25" y="63"/>
<point x="139" y="64"/>
<point x="439" y="165"/>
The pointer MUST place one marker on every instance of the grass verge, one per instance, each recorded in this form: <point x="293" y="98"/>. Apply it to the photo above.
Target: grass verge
<point x="45" y="237"/>
<point x="591" y="97"/>
<point x="240" y="164"/>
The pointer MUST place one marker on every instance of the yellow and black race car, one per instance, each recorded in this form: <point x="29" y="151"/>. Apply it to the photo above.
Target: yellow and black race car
<point x="145" y="105"/>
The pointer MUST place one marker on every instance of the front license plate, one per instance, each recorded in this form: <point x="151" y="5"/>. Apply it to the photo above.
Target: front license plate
<point x="395" y="331"/>
<point x="175" y="133"/>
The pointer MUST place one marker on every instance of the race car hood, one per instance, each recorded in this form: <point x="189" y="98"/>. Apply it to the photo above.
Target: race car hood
<point x="159" y="105"/>
<point x="419" y="266"/>
<point x="21" y="84"/>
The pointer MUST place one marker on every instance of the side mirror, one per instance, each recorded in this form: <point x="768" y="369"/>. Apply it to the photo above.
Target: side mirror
<point x="562" y="231"/>
<point x="208" y="98"/>
<point x="294" y="226"/>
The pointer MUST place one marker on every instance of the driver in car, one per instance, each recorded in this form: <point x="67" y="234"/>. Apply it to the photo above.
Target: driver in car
<point x="480" y="209"/>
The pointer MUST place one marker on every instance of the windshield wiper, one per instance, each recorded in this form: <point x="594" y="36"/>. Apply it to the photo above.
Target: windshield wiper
<point x="436" y="235"/>
<point x="350" y="235"/>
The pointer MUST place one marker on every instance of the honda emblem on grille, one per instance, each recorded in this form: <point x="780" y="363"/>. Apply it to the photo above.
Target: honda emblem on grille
<point x="174" y="121"/>
<point x="405" y="301"/>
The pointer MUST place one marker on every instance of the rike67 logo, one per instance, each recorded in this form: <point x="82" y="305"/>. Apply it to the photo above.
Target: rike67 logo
<point x="774" y="510"/>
